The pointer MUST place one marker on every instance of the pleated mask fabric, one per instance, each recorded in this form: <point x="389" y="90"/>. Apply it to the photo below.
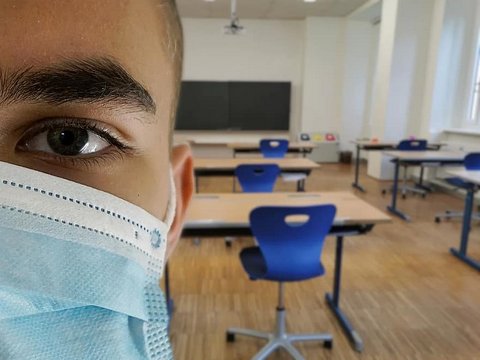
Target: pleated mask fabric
<point x="79" y="272"/>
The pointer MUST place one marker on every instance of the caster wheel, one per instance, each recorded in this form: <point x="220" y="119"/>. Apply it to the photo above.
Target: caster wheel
<point x="424" y="196"/>
<point x="404" y="196"/>
<point x="437" y="220"/>
<point x="230" y="337"/>
<point x="384" y="192"/>
<point x="328" y="344"/>
<point x="228" y="243"/>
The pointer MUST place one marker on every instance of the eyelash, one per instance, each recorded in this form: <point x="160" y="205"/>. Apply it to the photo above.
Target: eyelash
<point x="117" y="153"/>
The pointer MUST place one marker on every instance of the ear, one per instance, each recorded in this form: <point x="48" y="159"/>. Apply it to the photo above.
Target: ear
<point x="182" y="165"/>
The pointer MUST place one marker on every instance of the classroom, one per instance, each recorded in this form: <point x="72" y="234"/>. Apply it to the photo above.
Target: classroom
<point x="239" y="179"/>
<point x="371" y="106"/>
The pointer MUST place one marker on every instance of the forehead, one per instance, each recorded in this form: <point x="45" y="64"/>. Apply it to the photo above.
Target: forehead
<point x="44" y="32"/>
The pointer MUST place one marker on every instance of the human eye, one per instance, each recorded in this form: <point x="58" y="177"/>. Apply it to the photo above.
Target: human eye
<point x="71" y="139"/>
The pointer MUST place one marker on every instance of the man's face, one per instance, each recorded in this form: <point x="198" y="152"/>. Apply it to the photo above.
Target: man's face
<point x="86" y="90"/>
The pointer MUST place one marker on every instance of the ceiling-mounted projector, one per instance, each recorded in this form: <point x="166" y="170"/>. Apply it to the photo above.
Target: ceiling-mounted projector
<point x="234" y="28"/>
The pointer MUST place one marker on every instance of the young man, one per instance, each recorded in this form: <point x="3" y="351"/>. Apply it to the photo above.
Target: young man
<point x="88" y="93"/>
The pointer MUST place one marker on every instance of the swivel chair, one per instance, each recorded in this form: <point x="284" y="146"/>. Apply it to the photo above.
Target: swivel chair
<point x="410" y="145"/>
<point x="472" y="162"/>
<point x="257" y="177"/>
<point x="277" y="148"/>
<point x="287" y="251"/>
<point x="274" y="148"/>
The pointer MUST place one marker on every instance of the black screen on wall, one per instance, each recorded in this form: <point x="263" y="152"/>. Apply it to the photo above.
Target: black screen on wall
<point x="234" y="105"/>
<point x="203" y="105"/>
<point x="259" y="105"/>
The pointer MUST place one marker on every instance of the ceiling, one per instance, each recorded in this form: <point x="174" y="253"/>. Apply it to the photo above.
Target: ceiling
<point x="268" y="9"/>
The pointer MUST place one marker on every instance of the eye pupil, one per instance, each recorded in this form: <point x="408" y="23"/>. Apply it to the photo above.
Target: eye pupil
<point x="67" y="141"/>
<point x="67" y="137"/>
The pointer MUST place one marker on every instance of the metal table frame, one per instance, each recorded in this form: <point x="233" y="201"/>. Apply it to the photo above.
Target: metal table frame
<point x="255" y="149"/>
<point x="231" y="173"/>
<point x="413" y="162"/>
<point x="380" y="147"/>
<point x="473" y="187"/>
<point x="461" y="253"/>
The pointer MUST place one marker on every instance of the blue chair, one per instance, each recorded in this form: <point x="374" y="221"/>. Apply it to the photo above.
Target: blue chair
<point x="410" y="145"/>
<point x="273" y="148"/>
<point x="472" y="162"/>
<point x="277" y="148"/>
<point x="287" y="251"/>
<point x="257" y="177"/>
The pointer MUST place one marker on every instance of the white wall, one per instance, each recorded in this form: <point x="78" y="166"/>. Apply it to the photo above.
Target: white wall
<point x="337" y="78"/>
<point x="361" y="39"/>
<point x="401" y="74"/>
<point x="410" y="61"/>
<point x="323" y="74"/>
<point x="270" y="50"/>
<point x="328" y="60"/>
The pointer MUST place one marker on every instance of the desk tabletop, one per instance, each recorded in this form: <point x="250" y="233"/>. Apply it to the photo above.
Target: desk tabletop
<point x="471" y="176"/>
<point x="427" y="155"/>
<point x="227" y="210"/>
<point x="256" y="145"/>
<point x="232" y="163"/>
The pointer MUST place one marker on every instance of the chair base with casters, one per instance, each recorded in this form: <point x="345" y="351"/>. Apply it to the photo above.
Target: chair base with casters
<point x="279" y="338"/>
<point x="411" y="145"/>
<point x="448" y="214"/>
<point x="404" y="189"/>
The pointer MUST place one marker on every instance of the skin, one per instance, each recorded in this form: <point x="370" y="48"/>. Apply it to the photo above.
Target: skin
<point x="40" y="33"/>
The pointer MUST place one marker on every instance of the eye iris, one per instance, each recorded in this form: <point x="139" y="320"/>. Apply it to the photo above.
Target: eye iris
<point x="67" y="141"/>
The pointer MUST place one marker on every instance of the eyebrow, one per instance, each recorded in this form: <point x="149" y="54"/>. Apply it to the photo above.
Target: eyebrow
<point x="91" y="81"/>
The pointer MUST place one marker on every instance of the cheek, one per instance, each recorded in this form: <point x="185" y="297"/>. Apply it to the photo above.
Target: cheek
<point x="144" y="183"/>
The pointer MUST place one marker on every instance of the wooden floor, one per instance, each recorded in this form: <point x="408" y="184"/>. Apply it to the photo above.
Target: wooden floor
<point x="404" y="293"/>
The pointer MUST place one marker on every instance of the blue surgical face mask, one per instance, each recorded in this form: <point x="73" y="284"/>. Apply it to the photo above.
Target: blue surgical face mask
<point x="79" y="272"/>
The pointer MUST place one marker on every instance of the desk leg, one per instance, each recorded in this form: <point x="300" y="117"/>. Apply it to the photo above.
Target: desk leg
<point x="333" y="300"/>
<point x="467" y="219"/>
<point x="196" y="184"/>
<point x="393" y="207"/>
<point x="420" y="181"/>
<point x="301" y="185"/>
<point x="168" y="298"/>
<point x="355" y="184"/>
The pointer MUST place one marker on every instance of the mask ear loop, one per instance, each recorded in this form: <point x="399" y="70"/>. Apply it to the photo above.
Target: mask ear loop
<point x="172" y="201"/>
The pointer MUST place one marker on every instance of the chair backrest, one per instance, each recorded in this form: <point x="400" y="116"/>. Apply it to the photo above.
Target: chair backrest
<point x="472" y="161"/>
<point x="412" y="145"/>
<point x="292" y="250"/>
<point x="274" y="148"/>
<point x="257" y="177"/>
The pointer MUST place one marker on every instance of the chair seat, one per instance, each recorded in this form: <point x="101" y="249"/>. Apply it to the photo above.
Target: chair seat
<point x="255" y="265"/>
<point x="291" y="177"/>
<point x="457" y="182"/>
<point x="253" y="262"/>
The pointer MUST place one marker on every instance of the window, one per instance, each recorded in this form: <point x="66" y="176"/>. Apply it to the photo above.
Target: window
<point x="474" y="117"/>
